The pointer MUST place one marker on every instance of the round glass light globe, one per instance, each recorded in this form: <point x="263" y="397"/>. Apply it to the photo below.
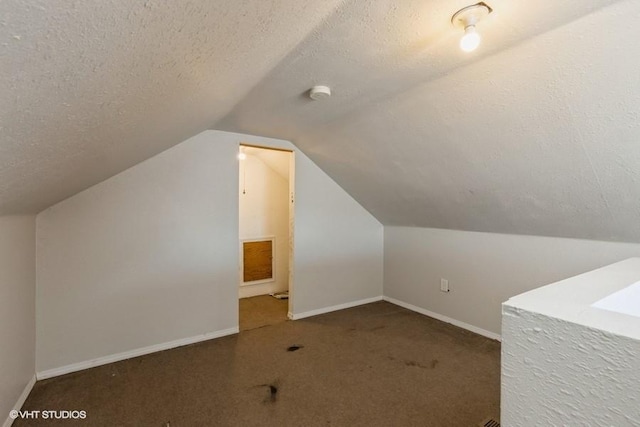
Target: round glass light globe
<point x="471" y="39"/>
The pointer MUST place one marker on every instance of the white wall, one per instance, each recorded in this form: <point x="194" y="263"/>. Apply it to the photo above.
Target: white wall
<point x="338" y="244"/>
<point x="146" y="257"/>
<point x="264" y="212"/>
<point x="17" y="309"/>
<point x="483" y="269"/>
<point x="151" y="255"/>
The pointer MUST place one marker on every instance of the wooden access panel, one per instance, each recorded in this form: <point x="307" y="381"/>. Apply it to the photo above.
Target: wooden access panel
<point x="257" y="260"/>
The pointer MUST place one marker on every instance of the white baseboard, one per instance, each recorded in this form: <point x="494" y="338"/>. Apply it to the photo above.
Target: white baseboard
<point x="50" y="373"/>
<point x="298" y="316"/>
<point x="25" y="393"/>
<point x="445" y="319"/>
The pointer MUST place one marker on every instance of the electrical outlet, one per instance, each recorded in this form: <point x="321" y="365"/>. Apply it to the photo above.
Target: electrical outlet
<point x="444" y="285"/>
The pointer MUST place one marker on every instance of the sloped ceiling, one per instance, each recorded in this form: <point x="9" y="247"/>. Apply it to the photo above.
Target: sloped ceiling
<point x="534" y="133"/>
<point x="89" y="88"/>
<point x="276" y="160"/>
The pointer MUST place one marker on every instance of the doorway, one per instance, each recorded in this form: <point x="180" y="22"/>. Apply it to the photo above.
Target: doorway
<point x="265" y="235"/>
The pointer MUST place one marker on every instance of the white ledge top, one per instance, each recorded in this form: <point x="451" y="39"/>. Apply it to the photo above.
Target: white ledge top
<point x="607" y="299"/>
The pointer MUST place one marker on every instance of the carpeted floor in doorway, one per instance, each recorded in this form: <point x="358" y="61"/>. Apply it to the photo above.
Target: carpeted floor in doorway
<point x="373" y="365"/>
<point x="261" y="311"/>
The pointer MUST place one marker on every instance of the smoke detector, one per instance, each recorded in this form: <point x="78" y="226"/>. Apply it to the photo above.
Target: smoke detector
<point x="319" y="92"/>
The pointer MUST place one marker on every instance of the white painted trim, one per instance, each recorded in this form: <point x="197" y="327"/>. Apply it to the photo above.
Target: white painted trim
<point x="50" y="373"/>
<point x="298" y="316"/>
<point x="445" y="319"/>
<point x="25" y="393"/>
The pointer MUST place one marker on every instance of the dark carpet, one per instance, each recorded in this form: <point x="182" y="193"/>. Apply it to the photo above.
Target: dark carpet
<point x="261" y="311"/>
<point x="373" y="365"/>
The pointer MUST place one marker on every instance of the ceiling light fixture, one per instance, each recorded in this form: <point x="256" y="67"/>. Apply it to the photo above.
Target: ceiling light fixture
<point x="467" y="18"/>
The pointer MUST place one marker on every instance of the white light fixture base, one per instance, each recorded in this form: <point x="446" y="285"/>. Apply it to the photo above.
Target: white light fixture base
<point x="470" y="15"/>
<point x="319" y="92"/>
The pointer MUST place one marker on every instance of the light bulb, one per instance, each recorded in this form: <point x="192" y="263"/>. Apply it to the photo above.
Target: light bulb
<point x="242" y="156"/>
<point x="471" y="39"/>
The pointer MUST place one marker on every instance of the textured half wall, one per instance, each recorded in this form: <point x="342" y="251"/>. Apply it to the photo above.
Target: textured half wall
<point x="17" y="308"/>
<point x="565" y="363"/>
<point x="483" y="269"/>
<point x="559" y="373"/>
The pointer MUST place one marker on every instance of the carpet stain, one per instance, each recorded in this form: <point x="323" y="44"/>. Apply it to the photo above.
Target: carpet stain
<point x="434" y="363"/>
<point x="295" y="347"/>
<point x="414" y="363"/>
<point x="273" y="393"/>
<point x="377" y="328"/>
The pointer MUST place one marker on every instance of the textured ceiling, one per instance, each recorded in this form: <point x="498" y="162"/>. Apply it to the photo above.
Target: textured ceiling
<point x="89" y="88"/>
<point x="537" y="132"/>
<point x="534" y="133"/>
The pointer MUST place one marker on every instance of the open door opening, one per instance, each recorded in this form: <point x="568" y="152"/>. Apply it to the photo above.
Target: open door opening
<point x="265" y="234"/>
